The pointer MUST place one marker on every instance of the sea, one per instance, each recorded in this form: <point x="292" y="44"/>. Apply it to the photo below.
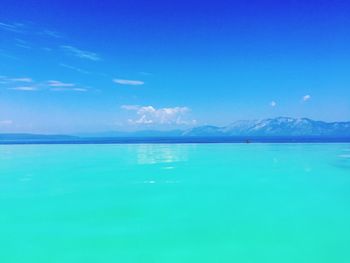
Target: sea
<point x="175" y="202"/>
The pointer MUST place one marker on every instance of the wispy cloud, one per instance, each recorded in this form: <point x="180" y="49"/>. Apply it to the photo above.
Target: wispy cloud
<point x="74" y="68"/>
<point x="145" y="73"/>
<point x="128" y="82"/>
<point x="273" y="103"/>
<point x="306" y="97"/>
<point x="13" y="27"/>
<point x="152" y="115"/>
<point x="25" y="88"/>
<point x="28" y="28"/>
<point x="28" y="84"/>
<point x="7" y="80"/>
<point x="22" y="43"/>
<point x="6" y="122"/>
<point x="57" y="83"/>
<point x="69" y="89"/>
<point x="18" y="83"/>
<point x="50" y="33"/>
<point x="80" y="89"/>
<point x="21" y="79"/>
<point x="81" y="53"/>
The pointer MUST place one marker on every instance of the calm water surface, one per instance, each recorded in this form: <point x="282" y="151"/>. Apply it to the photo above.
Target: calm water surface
<point x="175" y="203"/>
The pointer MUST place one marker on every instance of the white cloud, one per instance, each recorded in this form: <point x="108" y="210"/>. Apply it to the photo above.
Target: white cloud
<point x="27" y="84"/>
<point x="28" y="29"/>
<point x="152" y="115"/>
<point x="5" y="79"/>
<point x="13" y="27"/>
<point x="25" y="88"/>
<point x="51" y="33"/>
<point x="273" y="104"/>
<point x="21" y="80"/>
<point x="81" y="53"/>
<point x="145" y="73"/>
<point x="69" y="89"/>
<point x="74" y="68"/>
<point x="306" y="97"/>
<point x="57" y="83"/>
<point x="22" y="43"/>
<point x="80" y="89"/>
<point x="128" y="82"/>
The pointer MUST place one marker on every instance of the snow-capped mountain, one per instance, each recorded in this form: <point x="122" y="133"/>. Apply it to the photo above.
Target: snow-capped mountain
<point x="281" y="126"/>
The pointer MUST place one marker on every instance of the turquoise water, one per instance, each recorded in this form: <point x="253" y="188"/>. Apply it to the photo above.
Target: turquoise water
<point x="175" y="203"/>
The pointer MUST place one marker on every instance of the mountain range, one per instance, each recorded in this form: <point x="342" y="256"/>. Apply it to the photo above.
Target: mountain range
<point x="281" y="126"/>
<point x="272" y="127"/>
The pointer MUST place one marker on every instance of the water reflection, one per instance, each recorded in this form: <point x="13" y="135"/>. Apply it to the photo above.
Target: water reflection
<point x="26" y="178"/>
<point x="166" y="154"/>
<point x="343" y="160"/>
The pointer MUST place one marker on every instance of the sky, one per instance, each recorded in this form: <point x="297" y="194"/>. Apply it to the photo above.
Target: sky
<point x="90" y="66"/>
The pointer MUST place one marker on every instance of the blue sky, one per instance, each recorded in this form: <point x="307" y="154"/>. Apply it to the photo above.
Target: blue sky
<point x="86" y="66"/>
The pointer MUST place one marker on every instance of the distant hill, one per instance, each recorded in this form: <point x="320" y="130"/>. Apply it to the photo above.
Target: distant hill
<point x="29" y="136"/>
<point x="266" y="130"/>
<point x="144" y="133"/>
<point x="281" y="126"/>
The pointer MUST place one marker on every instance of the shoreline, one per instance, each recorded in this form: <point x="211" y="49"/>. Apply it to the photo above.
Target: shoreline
<point x="180" y="140"/>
